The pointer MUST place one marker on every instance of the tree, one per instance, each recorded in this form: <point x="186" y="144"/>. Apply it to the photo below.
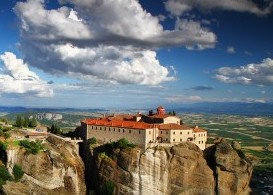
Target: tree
<point x="33" y="122"/>
<point x="26" y="121"/>
<point x="174" y="114"/>
<point x="20" y="121"/>
<point x="55" y="129"/>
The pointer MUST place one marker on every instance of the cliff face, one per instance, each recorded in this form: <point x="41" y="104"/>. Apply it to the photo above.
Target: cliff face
<point x="180" y="169"/>
<point x="58" y="170"/>
<point x="232" y="171"/>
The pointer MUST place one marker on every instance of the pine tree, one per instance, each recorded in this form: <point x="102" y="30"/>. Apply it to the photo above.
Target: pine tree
<point x="33" y="122"/>
<point x="20" y="121"/>
<point x="26" y="121"/>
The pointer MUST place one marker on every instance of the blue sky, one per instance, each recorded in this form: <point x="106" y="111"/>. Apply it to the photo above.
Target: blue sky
<point x="135" y="54"/>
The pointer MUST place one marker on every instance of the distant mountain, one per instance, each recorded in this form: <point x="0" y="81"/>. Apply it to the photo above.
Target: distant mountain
<point x="11" y="109"/>
<point x="229" y="108"/>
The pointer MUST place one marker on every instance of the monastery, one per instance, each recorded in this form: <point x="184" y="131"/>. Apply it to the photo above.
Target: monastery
<point x="144" y="130"/>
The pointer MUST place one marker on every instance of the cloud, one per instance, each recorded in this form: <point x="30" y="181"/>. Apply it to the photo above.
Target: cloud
<point x="230" y="49"/>
<point x="248" y="53"/>
<point x="202" y="88"/>
<point x="256" y="74"/>
<point x="16" y="78"/>
<point x="117" y="47"/>
<point x="183" y="99"/>
<point x="178" y="7"/>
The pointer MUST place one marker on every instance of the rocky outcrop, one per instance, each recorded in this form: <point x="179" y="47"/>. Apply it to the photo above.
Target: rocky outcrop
<point x="180" y="169"/>
<point x="58" y="170"/>
<point x="231" y="170"/>
<point x="176" y="170"/>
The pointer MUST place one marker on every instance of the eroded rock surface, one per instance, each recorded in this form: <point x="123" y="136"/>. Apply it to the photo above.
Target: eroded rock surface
<point x="58" y="170"/>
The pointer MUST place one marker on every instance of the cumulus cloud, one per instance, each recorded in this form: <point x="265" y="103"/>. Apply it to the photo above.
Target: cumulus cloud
<point x="257" y="74"/>
<point x="178" y="7"/>
<point x="117" y="47"/>
<point x="184" y="99"/>
<point x="16" y="78"/>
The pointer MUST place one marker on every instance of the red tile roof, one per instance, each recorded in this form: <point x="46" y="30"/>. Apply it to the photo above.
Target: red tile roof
<point x="198" y="130"/>
<point x="119" y="123"/>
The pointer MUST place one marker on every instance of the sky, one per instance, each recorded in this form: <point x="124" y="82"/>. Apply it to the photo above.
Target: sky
<point x="135" y="54"/>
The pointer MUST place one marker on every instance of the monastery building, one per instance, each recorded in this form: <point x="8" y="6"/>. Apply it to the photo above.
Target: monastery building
<point x="144" y="130"/>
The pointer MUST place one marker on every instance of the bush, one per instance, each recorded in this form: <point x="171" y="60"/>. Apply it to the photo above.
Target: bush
<point x="107" y="188"/>
<point x="123" y="144"/>
<point x="17" y="172"/>
<point x="4" y="175"/>
<point x="31" y="146"/>
<point x="92" y="141"/>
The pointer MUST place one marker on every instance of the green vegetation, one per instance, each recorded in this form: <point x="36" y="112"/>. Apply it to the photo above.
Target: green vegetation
<point x="23" y="121"/>
<point x="31" y="146"/>
<point x="4" y="120"/>
<point x="4" y="133"/>
<point x="122" y="144"/>
<point x="55" y="129"/>
<point x="92" y="141"/>
<point x="4" y="176"/>
<point x="17" y="172"/>
<point x="107" y="188"/>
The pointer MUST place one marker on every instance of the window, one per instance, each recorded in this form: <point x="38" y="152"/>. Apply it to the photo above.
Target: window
<point x="114" y="129"/>
<point x="123" y="130"/>
<point x="181" y="140"/>
<point x="199" y="142"/>
<point x="149" y="132"/>
<point x="139" y="132"/>
<point x="109" y="129"/>
<point x="161" y="132"/>
<point x="174" y="133"/>
<point x="129" y="131"/>
<point x="180" y="132"/>
<point x="166" y="139"/>
<point x="174" y="140"/>
<point x="202" y="142"/>
<point x="188" y="133"/>
<point x="166" y="132"/>
<point x="118" y="130"/>
<point x="92" y="127"/>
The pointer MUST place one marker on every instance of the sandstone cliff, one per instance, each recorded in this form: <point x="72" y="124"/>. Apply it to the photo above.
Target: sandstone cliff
<point x="231" y="170"/>
<point x="183" y="169"/>
<point x="58" y="170"/>
<point x="180" y="169"/>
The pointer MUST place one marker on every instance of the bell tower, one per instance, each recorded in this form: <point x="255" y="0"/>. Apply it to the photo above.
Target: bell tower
<point x="160" y="110"/>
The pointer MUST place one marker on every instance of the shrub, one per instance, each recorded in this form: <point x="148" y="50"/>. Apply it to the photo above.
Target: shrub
<point x="92" y="141"/>
<point x="107" y="188"/>
<point x="123" y="144"/>
<point x="31" y="146"/>
<point x="17" y="172"/>
<point x="4" y="175"/>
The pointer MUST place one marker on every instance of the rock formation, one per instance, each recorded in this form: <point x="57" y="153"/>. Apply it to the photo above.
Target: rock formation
<point x="231" y="170"/>
<point x="58" y="170"/>
<point x="180" y="169"/>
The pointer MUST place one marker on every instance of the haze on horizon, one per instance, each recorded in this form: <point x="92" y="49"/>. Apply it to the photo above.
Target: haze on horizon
<point x="128" y="53"/>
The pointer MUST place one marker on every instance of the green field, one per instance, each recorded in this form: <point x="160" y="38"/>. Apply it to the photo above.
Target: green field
<point x="252" y="132"/>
